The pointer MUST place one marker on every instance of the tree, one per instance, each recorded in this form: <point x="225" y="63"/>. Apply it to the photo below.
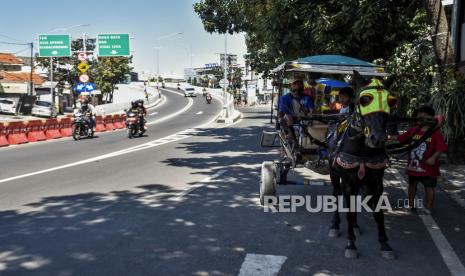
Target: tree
<point x="236" y="78"/>
<point x="440" y="32"/>
<point x="280" y="30"/>
<point x="109" y="72"/>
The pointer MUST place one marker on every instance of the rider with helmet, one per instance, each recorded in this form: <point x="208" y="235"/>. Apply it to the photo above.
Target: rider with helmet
<point x="137" y="107"/>
<point x="142" y="112"/>
<point x="88" y="110"/>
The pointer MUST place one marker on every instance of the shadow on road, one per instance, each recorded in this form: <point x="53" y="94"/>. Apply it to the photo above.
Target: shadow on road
<point x="209" y="232"/>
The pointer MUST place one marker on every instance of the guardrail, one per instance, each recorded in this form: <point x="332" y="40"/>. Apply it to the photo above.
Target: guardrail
<point x="15" y="133"/>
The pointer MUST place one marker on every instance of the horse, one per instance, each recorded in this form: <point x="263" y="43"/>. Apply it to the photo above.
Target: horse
<point x="358" y="158"/>
<point x="333" y="135"/>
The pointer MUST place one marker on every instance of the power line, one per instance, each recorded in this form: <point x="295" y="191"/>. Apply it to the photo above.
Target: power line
<point x="12" y="38"/>
<point x="13" y="43"/>
<point x="25" y="49"/>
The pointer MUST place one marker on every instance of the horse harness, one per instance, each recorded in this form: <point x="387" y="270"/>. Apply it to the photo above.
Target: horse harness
<point x="348" y="161"/>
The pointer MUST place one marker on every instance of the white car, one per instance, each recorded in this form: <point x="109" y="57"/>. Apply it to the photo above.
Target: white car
<point x="44" y="109"/>
<point x="189" y="92"/>
<point x="7" y="106"/>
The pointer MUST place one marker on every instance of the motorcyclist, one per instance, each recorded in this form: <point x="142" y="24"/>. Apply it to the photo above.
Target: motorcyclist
<point x="142" y="113"/>
<point x="204" y="92"/>
<point x="208" y="97"/>
<point x="133" y="109"/>
<point x="88" y="110"/>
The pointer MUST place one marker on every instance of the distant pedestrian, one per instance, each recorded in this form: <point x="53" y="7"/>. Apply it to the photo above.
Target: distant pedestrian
<point x="423" y="161"/>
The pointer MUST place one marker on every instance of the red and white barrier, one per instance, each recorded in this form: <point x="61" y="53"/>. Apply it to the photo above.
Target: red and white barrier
<point x="15" y="133"/>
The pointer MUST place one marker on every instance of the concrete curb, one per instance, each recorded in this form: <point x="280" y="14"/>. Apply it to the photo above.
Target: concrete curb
<point x="237" y="115"/>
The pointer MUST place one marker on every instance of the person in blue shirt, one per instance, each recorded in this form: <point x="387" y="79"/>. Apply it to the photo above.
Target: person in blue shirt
<point x="294" y="104"/>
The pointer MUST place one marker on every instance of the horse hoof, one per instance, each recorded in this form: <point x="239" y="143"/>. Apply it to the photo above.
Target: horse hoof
<point x="351" y="253"/>
<point x="357" y="231"/>
<point x="333" y="233"/>
<point x="388" y="255"/>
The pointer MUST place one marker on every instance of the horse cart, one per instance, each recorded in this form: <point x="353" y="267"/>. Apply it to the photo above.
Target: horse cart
<point x="354" y="146"/>
<point x="330" y="72"/>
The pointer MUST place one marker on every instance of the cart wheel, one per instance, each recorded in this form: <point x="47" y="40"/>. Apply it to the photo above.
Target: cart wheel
<point x="268" y="181"/>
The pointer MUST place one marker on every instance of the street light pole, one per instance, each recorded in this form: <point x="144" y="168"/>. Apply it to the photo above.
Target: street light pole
<point x="84" y="46"/>
<point x="225" y="82"/>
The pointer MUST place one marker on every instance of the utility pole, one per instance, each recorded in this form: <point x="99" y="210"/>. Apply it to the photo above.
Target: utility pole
<point x="52" y="90"/>
<point x="31" y="84"/>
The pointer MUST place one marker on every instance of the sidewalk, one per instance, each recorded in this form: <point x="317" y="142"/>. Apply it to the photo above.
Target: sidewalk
<point x="452" y="179"/>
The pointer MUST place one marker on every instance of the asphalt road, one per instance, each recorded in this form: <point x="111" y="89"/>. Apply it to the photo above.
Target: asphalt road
<point x="188" y="205"/>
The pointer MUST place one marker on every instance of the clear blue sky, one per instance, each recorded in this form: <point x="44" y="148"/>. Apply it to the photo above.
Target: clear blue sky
<point x="144" y="20"/>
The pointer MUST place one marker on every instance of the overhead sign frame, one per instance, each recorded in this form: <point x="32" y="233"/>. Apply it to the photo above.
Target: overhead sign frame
<point x="111" y="49"/>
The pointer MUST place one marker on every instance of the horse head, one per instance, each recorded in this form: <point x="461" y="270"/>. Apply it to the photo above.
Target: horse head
<point x="374" y="104"/>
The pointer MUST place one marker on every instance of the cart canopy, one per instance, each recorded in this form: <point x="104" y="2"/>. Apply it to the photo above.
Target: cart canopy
<point x="331" y="64"/>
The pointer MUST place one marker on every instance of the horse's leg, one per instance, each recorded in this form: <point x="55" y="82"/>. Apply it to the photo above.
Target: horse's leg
<point x="376" y="190"/>
<point x="357" y="230"/>
<point x="336" y="220"/>
<point x="349" y="189"/>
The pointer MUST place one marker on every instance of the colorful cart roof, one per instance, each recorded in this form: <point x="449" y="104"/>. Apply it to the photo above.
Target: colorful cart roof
<point x="331" y="64"/>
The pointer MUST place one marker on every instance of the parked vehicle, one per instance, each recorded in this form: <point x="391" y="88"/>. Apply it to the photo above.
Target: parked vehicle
<point x="44" y="109"/>
<point x="81" y="126"/>
<point x="189" y="92"/>
<point x="7" y="106"/>
<point x="133" y="125"/>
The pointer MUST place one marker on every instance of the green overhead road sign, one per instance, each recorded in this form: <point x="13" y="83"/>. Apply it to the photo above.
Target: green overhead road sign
<point x="54" y="46"/>
<point x="113" y="45"/>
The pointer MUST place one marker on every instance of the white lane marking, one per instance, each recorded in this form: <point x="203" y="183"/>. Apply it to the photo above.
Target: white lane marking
<point x="162" y="101"/>
<point x="168" y="139"/>
<point x="448" y="254"/>
<point x="189" y="105"/>
<point x="154" y="113"/>
<point x="263" y="265"/>
<point x="158" y="142"/>
<point x="179" y="196"/>
<point x="198" y="113"/>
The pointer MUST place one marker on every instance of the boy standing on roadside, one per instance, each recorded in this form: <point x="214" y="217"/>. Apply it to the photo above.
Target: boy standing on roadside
<point x="423" y="161"/>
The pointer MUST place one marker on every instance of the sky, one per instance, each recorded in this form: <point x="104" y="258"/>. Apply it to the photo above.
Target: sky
<point x="145" y="21"/>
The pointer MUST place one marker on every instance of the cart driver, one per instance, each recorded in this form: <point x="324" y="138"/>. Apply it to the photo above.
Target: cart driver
<point x="294" y="104"/>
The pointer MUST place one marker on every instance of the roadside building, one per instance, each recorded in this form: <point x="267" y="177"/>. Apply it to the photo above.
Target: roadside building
<point x="15" y="82"/>
<point x="9" y="62"/>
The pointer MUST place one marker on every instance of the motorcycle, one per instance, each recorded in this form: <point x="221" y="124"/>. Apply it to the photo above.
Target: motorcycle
<point x="81" y="127"/>
<point x="133" y="125"/>
<point x="209" y="99"/>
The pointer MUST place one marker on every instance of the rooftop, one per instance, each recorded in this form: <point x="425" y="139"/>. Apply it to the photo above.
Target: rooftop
<point x="6" y="58"/>
<point x="6" y="76"/>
